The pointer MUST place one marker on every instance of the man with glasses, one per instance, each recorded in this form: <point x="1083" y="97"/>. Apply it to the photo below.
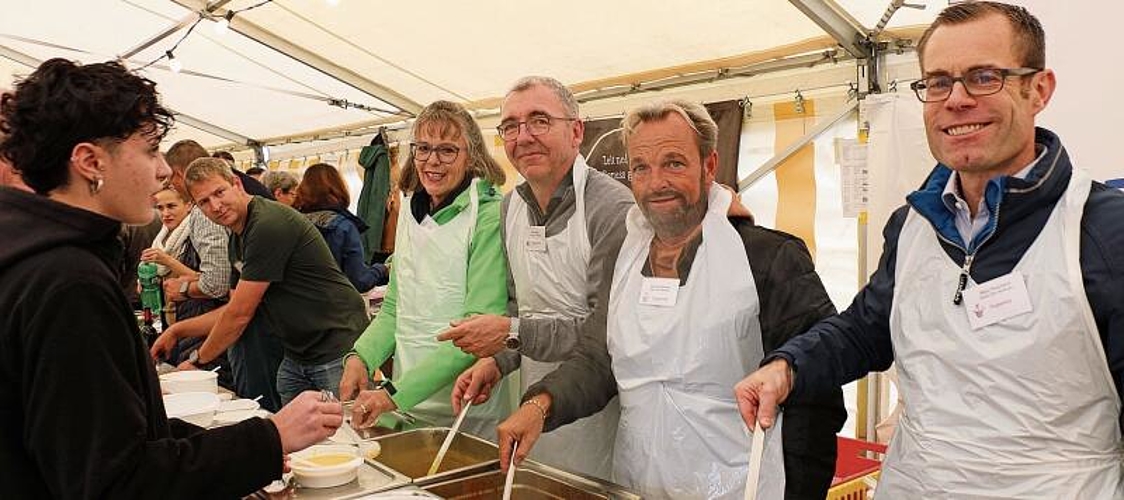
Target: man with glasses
<point x="562" y="230"/>
<point x="697" y="298"/>
<point x="998" y="294"/>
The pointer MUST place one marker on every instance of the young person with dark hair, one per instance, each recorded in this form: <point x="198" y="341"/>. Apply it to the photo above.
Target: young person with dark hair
<point x="83" y="415"/>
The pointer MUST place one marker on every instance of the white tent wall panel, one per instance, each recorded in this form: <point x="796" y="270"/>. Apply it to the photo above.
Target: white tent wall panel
<point x="110" y="28"/>
<point x="476" y="49"/>
<point x="105" y="28"/>
<point x="181" y="131"/>
<point x="492" y="43"/>
<point x="1086" y="109"/>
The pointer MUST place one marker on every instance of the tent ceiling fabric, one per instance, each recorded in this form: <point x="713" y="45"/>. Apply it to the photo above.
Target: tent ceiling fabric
<point x="422" y="50"/>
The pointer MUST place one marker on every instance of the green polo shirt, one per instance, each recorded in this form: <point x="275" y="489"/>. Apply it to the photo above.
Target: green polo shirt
<point x="309" y="305"/>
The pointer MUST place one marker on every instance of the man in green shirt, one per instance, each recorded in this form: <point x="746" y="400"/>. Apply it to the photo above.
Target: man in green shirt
<point x="286" y="282"/>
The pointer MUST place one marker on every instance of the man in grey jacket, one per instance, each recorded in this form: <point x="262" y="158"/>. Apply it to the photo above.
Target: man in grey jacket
<point x="562" y="229"/>
<point x="696" y="299"/>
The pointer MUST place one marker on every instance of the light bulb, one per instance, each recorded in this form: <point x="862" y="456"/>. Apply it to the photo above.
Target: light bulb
<point x="333" y="3"/>
<point x="173" y="63"/>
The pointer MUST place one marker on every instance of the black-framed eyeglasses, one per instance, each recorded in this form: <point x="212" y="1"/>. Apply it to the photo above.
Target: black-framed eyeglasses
<point x="446" y="153"/>
<point x="536" y="125"/>
<point x="977" y="82"/>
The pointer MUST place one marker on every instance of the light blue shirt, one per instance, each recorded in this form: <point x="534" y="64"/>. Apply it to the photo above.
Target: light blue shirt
<point x="966" y="225"/>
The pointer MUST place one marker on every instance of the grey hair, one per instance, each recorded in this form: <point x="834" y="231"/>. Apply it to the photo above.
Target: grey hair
<point x="564" y="95"/>
<point x="206" y="167"/>
<point x="285" y="181"/>
<point x="696" y="116"/>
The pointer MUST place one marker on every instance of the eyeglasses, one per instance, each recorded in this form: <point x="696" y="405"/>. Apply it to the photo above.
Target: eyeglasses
<point x="978" y="82"/>
<point x="446" y="153"/>
<point x="536" y="125"/>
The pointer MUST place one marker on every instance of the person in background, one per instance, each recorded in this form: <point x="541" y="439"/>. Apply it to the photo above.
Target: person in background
<point x="1007" y="331"/>
<point x="209" y="239"/>
<point x="251" y="184"/>
<point x="134" y="238"/>
<point x="83" y="415"/>
<point x="255" y="172"/>
<point x="257" y="354"/>
<point x="697" y="299"/>
<point x="322" y="197"/>
<point x="171" y="242"/>
<point x="283" y="186"/>
<point x="287" y="284"/>
<point x="175" y="257"/>
<point x="448" y="264"/>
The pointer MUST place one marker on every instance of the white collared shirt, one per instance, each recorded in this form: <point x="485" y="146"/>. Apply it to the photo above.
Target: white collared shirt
<point x="966" y="225"/>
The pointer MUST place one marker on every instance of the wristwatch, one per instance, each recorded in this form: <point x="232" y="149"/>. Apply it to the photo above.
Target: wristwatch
<point x="184" y="287"/>
<point x="193" y="358"/>
<point x="512" y="341"/>
<point x="386" y="385"/>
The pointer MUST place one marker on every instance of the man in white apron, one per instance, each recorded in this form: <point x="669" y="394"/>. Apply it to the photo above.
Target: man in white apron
<point x="562" y="230"/>
<point x="998" y="295"/>
<point x="696" y="299"/>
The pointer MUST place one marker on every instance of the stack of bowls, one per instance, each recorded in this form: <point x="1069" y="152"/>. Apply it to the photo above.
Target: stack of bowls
<point x="190" y="381"/>
<point x="193" y="407"/>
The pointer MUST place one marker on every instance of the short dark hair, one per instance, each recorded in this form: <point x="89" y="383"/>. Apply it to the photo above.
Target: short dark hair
<point x="255" y="171"/>
<point x="224" y="155"/>
<point x="182" y="153"/>
<point x="62" y="104"/>
<point x="1030" y="38"/>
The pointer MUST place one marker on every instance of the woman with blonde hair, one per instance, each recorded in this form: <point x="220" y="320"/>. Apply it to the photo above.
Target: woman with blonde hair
<point x="172" y="240"/>
<point x="448" y="264"/>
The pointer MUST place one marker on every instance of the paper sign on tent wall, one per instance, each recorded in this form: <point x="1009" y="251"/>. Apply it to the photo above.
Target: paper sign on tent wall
<point x="850" y="154"/>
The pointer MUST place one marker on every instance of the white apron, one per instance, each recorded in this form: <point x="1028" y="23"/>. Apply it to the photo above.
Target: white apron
<point x="551" y="284"/>
<point x="680" y="434"/>
<point x="432" y="265"/>
<point x="1020" y="409"/>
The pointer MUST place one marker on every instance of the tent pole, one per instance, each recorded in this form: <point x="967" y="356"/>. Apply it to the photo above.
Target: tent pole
<point x="835" y="20"/>
<point x="775" y="161"/>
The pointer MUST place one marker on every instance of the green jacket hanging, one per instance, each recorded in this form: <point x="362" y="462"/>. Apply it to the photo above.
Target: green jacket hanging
<point x="375" y="160"/>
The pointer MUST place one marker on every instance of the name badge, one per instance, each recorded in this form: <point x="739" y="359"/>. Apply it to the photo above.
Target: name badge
<point x="660" y="292"/>
<point x="997" y="300"/>
<point x="536" y="239"/>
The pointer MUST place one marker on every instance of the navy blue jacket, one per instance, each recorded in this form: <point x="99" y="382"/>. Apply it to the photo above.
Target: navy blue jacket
<point x="341" y="230"/>
<point x="857" y="341"/>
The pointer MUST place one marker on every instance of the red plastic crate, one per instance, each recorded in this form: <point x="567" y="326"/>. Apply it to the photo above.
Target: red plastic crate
<point x="856" y="459"/>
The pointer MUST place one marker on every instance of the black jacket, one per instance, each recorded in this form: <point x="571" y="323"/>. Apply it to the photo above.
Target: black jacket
<point x="792" y="299"/>
<point x="857" y="341"/>
<point x="82" y="415"/>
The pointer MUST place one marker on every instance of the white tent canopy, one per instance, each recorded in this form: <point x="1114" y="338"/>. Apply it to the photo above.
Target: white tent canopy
<point x="274" y="73"/>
